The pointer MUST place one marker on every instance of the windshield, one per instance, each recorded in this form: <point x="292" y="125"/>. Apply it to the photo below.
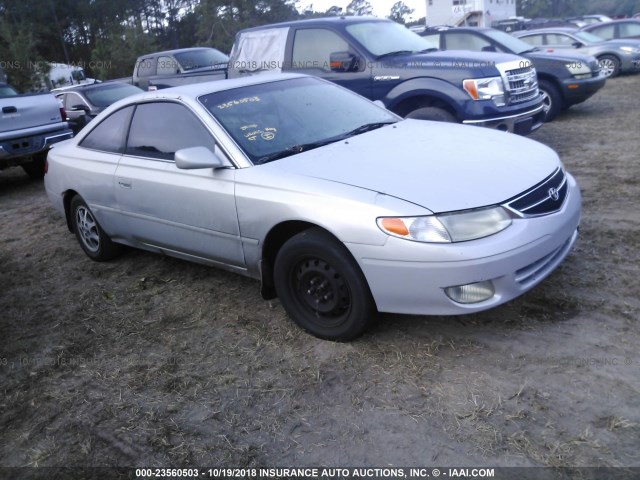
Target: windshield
<point x="588" y="37"/>
<point x="511" y="43"/>
<point x="205" y="57"/>
<point x="285" y="117"/>
<point x="105" y="95"/>
<point x="383" y="38"/>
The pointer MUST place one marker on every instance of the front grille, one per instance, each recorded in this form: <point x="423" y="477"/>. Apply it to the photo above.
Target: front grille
<point x="544" y="198"/>
<point x="522" y="84"/>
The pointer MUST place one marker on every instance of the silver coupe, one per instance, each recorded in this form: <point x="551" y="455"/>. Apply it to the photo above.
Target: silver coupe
<point x="339" y="207"/>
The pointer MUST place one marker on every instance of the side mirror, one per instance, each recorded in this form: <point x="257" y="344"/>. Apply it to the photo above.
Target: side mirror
<point x="489" y="48"/>
<point x="577" y="44"/>
<point x="80" y="108"/>
<point x="344" y="62"/>
<point x="197" y="157"/>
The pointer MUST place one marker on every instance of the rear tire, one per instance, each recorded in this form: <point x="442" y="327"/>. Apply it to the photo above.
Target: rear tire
<point x="432" y="113"/>
<point x="92" y="239"/>
<point x="322" y="287"/>
<point x="551" y="100"/>
<point x="35" y="168"/>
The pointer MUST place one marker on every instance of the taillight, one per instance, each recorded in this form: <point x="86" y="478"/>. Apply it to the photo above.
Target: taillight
<point x="63" y="114"/>
<point x="46" y="165"/>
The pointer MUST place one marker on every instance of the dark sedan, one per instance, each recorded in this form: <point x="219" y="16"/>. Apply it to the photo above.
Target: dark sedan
<point x="84" y="102"/>
<point x="564" y="79"/>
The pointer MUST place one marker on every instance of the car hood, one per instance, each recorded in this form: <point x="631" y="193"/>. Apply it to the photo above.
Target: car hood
<point x="439" y="166"/>
<point x="483" y="62"/>
<point x="558" y="55"/>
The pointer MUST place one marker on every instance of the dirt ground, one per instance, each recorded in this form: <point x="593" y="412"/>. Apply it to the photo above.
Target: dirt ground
<point x="150" y="361"/>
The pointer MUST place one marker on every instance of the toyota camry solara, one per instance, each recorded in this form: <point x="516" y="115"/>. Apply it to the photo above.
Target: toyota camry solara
<point x="340" y="208"/>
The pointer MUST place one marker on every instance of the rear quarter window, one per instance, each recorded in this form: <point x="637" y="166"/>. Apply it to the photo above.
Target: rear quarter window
<point x="111" y="134"/>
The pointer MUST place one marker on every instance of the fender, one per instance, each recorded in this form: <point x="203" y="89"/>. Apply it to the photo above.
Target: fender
<point x="447" y="93"/>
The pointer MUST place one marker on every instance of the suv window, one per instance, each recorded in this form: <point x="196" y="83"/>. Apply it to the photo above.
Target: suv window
<point x="313" y="47"/>
<point x="533" y="39"/>
<point x="466" y="41"/>
<point x="111" y="133"/>
<point x="605" y="31"/>
<point x="72" y="99"/>
<point x="159" y="130"/>
<point x="147" y="67"/>
<point x="559" y="39"/>
<point x="629" y="29"/>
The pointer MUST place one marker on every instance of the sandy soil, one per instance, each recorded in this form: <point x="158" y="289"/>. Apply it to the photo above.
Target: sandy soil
<point x="149" y="361"/>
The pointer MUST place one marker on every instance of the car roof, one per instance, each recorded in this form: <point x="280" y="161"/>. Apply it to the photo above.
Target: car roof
<point x="86" y="86"/>
<point x="343" y="20"/>
<point x="195" y="90"/>
<point x="612" y="22"/>
<point x="548" y="30"/>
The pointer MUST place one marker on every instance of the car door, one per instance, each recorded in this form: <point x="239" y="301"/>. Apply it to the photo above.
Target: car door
<point x="560" y="41"/>
<point x="311" y="51"/>
<point x="188" y="213"/>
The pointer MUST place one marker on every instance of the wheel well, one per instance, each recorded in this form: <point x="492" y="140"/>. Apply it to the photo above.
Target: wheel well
<point x="272" y="244"/>
<point x="413" y="103"/>
<point x="66" y="200"/>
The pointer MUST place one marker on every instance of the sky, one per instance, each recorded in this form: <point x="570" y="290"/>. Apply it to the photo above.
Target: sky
<point x="381" y="8"/>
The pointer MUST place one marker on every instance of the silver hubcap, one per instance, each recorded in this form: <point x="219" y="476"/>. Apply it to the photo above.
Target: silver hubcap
<point x="607" y="66"/>
<point x="88" y="229"/>
<point x="546" y="102"/>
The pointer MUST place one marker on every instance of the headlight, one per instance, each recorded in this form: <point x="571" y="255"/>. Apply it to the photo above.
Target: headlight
<point x="448" y="227"/>
<point x="630" y="49"/>
<point x="579" y="69"/>
<point x="486" y="89"/>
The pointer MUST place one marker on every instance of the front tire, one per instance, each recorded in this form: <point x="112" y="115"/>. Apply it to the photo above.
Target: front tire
<point x="551" y="100"/>
<point x="322" y="288"/>
<point x="609" y="65"/>
<point x="92" y="239"/>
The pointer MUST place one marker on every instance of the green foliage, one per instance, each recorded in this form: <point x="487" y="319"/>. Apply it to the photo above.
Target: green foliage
<point x="399" y="11"/>
<point x="359" y="7"/>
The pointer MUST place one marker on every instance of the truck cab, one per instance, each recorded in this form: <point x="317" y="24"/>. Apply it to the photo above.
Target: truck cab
<point x="385" y="61"/>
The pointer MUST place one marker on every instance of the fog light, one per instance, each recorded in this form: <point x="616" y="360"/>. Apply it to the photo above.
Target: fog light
<point x="472" y="293"/>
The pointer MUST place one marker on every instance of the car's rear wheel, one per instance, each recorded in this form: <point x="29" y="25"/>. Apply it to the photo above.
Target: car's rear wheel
<point x="93" y="240"/>
<point x="432" y="113"/>
<point x="609" y="65"/>
<point x="551" y="100"/>
<point x="35" y="168"/>
<point x="322" y="287"/>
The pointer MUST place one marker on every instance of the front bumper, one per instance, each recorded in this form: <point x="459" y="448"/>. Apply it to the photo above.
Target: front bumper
<point x="630" y="63"/>
<point x="411" y="277"/>
<point x="522" y="123"/>
<point x="577" y="91"/>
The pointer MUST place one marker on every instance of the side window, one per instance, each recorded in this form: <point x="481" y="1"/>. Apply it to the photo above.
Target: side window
<point x="466" y="41"/>
<point x="606" y="31"/>
<point x="111" y="134"/>
<point x="72" y="99"/>
<point x="533" y="39"/>
<point x="629" y="29"/>
<point x="559" y="39"/>
<point x="313" y="47"/>
<point x="147" y="67"/>
<point x="167" y="66"/>
<point x="159" y="130"/>
<point x="433" y="38"/>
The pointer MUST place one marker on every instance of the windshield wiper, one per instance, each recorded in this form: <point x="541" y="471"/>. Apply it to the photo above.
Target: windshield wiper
<point x="427" y="50"/>
<point x="295" y="149"/>
<point x="367" y="127"/>
<point x="531" y="50"/>
<point x="398" y="52"/>
<point x="287" y="152"/>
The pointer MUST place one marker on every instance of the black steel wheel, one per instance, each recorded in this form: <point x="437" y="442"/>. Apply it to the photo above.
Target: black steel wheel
<point x="321" y="286"/>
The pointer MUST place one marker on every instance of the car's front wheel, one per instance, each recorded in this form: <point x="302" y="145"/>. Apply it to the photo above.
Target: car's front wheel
<point x="322" y="287"/>
<point x="432" y="113"/>
<point x="551" y="100"/>
<point x="93" y="240"/>
<point x="609" y="65"/>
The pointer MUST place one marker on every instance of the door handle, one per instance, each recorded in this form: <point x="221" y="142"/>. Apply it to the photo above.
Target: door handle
<point x="124" y="183"/>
